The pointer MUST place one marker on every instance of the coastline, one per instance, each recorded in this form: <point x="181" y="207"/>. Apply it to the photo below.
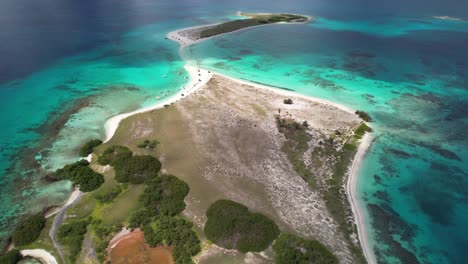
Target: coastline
<point x="357" y="209"/>
<point x="198" y="78"/>
<point x="40" y="254"/>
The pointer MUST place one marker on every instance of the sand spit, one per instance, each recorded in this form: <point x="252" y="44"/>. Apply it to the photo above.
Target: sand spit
<point x="223" y="141"/>
<point x="198" y="77"/>
<point x="40" y="254"/>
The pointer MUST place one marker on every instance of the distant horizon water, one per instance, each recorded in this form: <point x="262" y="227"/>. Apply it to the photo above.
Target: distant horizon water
<point x="65" y="75"/>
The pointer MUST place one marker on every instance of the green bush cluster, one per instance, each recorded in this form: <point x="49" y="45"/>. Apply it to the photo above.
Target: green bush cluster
<point x="105" y="233"/>
<point x="365" y="116"/>
<point x="163" y="196"/>
<point x="361" y="130"/>
<point x="176" y="232"/>
<point x="149" y="144"/>
<point x="89" y="147"/>
<point x="28" y="230"/>
<point x="129" y="168"/>
<point x="232" y="226"/>
<point x="293" y="249"/>
<point x="162" y="200"/>
<point x="245" y="23"/>
<point x="11" y="257"/>
<point x="71" y="235"/>
<point x="81" y="174"/>
<point x="108" y="196"/>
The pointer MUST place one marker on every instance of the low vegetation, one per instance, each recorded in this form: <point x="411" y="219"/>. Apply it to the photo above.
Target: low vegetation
<point x="288" y="101"/>
<point x="176" y="232"/>
<point x="147" y="144"/>
<point x="81" y="174"/>
<point x="11" y="257"/>
<point x="365" y="116"/>
<point x="254" y="21"/>
<point x="296" y="145"/>
<point x="231" y="225"/>
<point x="293" y="249"/>
<point x="71" y="236"/>
<point x="28" y="230"/>
<point x="109" y="195"/>
<point x="89" y="147"/>
<point x="163" y="196"/>
<point x="130" y="168"/>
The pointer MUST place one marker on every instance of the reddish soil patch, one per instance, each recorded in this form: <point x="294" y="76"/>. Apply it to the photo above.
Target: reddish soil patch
<point x="132" y="248"/>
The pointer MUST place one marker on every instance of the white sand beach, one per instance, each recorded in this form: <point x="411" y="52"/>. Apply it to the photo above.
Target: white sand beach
<point x="40" y="254"/>
<point x="198" y="78"/>
<point x="358" y="213"/>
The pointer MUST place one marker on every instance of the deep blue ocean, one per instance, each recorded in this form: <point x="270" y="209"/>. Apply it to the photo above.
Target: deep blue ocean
<point x="67" y="66"/>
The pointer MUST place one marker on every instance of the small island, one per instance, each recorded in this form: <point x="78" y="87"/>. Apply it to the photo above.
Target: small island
<point x="190" y="36"/>
<point x="253" y="20"/>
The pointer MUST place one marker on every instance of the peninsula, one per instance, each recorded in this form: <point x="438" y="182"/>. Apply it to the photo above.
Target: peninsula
<point x="224" y="171"/>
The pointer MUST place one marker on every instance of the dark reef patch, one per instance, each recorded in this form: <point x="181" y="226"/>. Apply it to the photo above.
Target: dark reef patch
<point x="399" y="153"/>
<point x="388" y="225"/>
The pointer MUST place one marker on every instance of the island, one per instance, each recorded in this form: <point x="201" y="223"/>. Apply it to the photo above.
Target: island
<point x="224" y="171"/>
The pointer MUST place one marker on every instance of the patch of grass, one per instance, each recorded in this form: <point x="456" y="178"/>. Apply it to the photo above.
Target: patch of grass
<point x="232" y="226"/>
<point x="71" y="236"/>
<point x="121" y="208"/>
<point x="108" y="196"/>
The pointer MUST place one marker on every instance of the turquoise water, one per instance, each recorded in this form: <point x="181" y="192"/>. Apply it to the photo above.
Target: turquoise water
<point x="69" y="67"/>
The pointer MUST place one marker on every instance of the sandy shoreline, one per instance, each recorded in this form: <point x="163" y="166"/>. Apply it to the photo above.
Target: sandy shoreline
<point x="357" y="209"/>
<point x="198" y="78"/>
<point x="40" y="254"/>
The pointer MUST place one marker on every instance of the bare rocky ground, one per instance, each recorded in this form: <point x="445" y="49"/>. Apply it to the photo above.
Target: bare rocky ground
<point x="224" y="142"/>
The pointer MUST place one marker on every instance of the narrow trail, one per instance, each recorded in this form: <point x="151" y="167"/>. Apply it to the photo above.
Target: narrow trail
<point x="58" y="220"/>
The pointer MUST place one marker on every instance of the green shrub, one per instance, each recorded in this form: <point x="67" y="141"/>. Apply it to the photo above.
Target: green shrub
<point x="293" y="249"/>
<point x="176" y="232"/>
<point x="11" y="257"/>
<point x="361" y="130"/>
<point x="149" y="144"/>
<point x="115" y="155"/>
<point x="137" y="169"/>
<point x="165" y="195"/>
<point x="129" y="168"/>
<point x="108" y="196"/>
<point x="89" y="147"/>
<point x="71" y="235"/>
<point x="232" y="226"/>
<point x="28" y="230"/>
<point x="81" y="174"/>
<point x="365" y="116"/>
